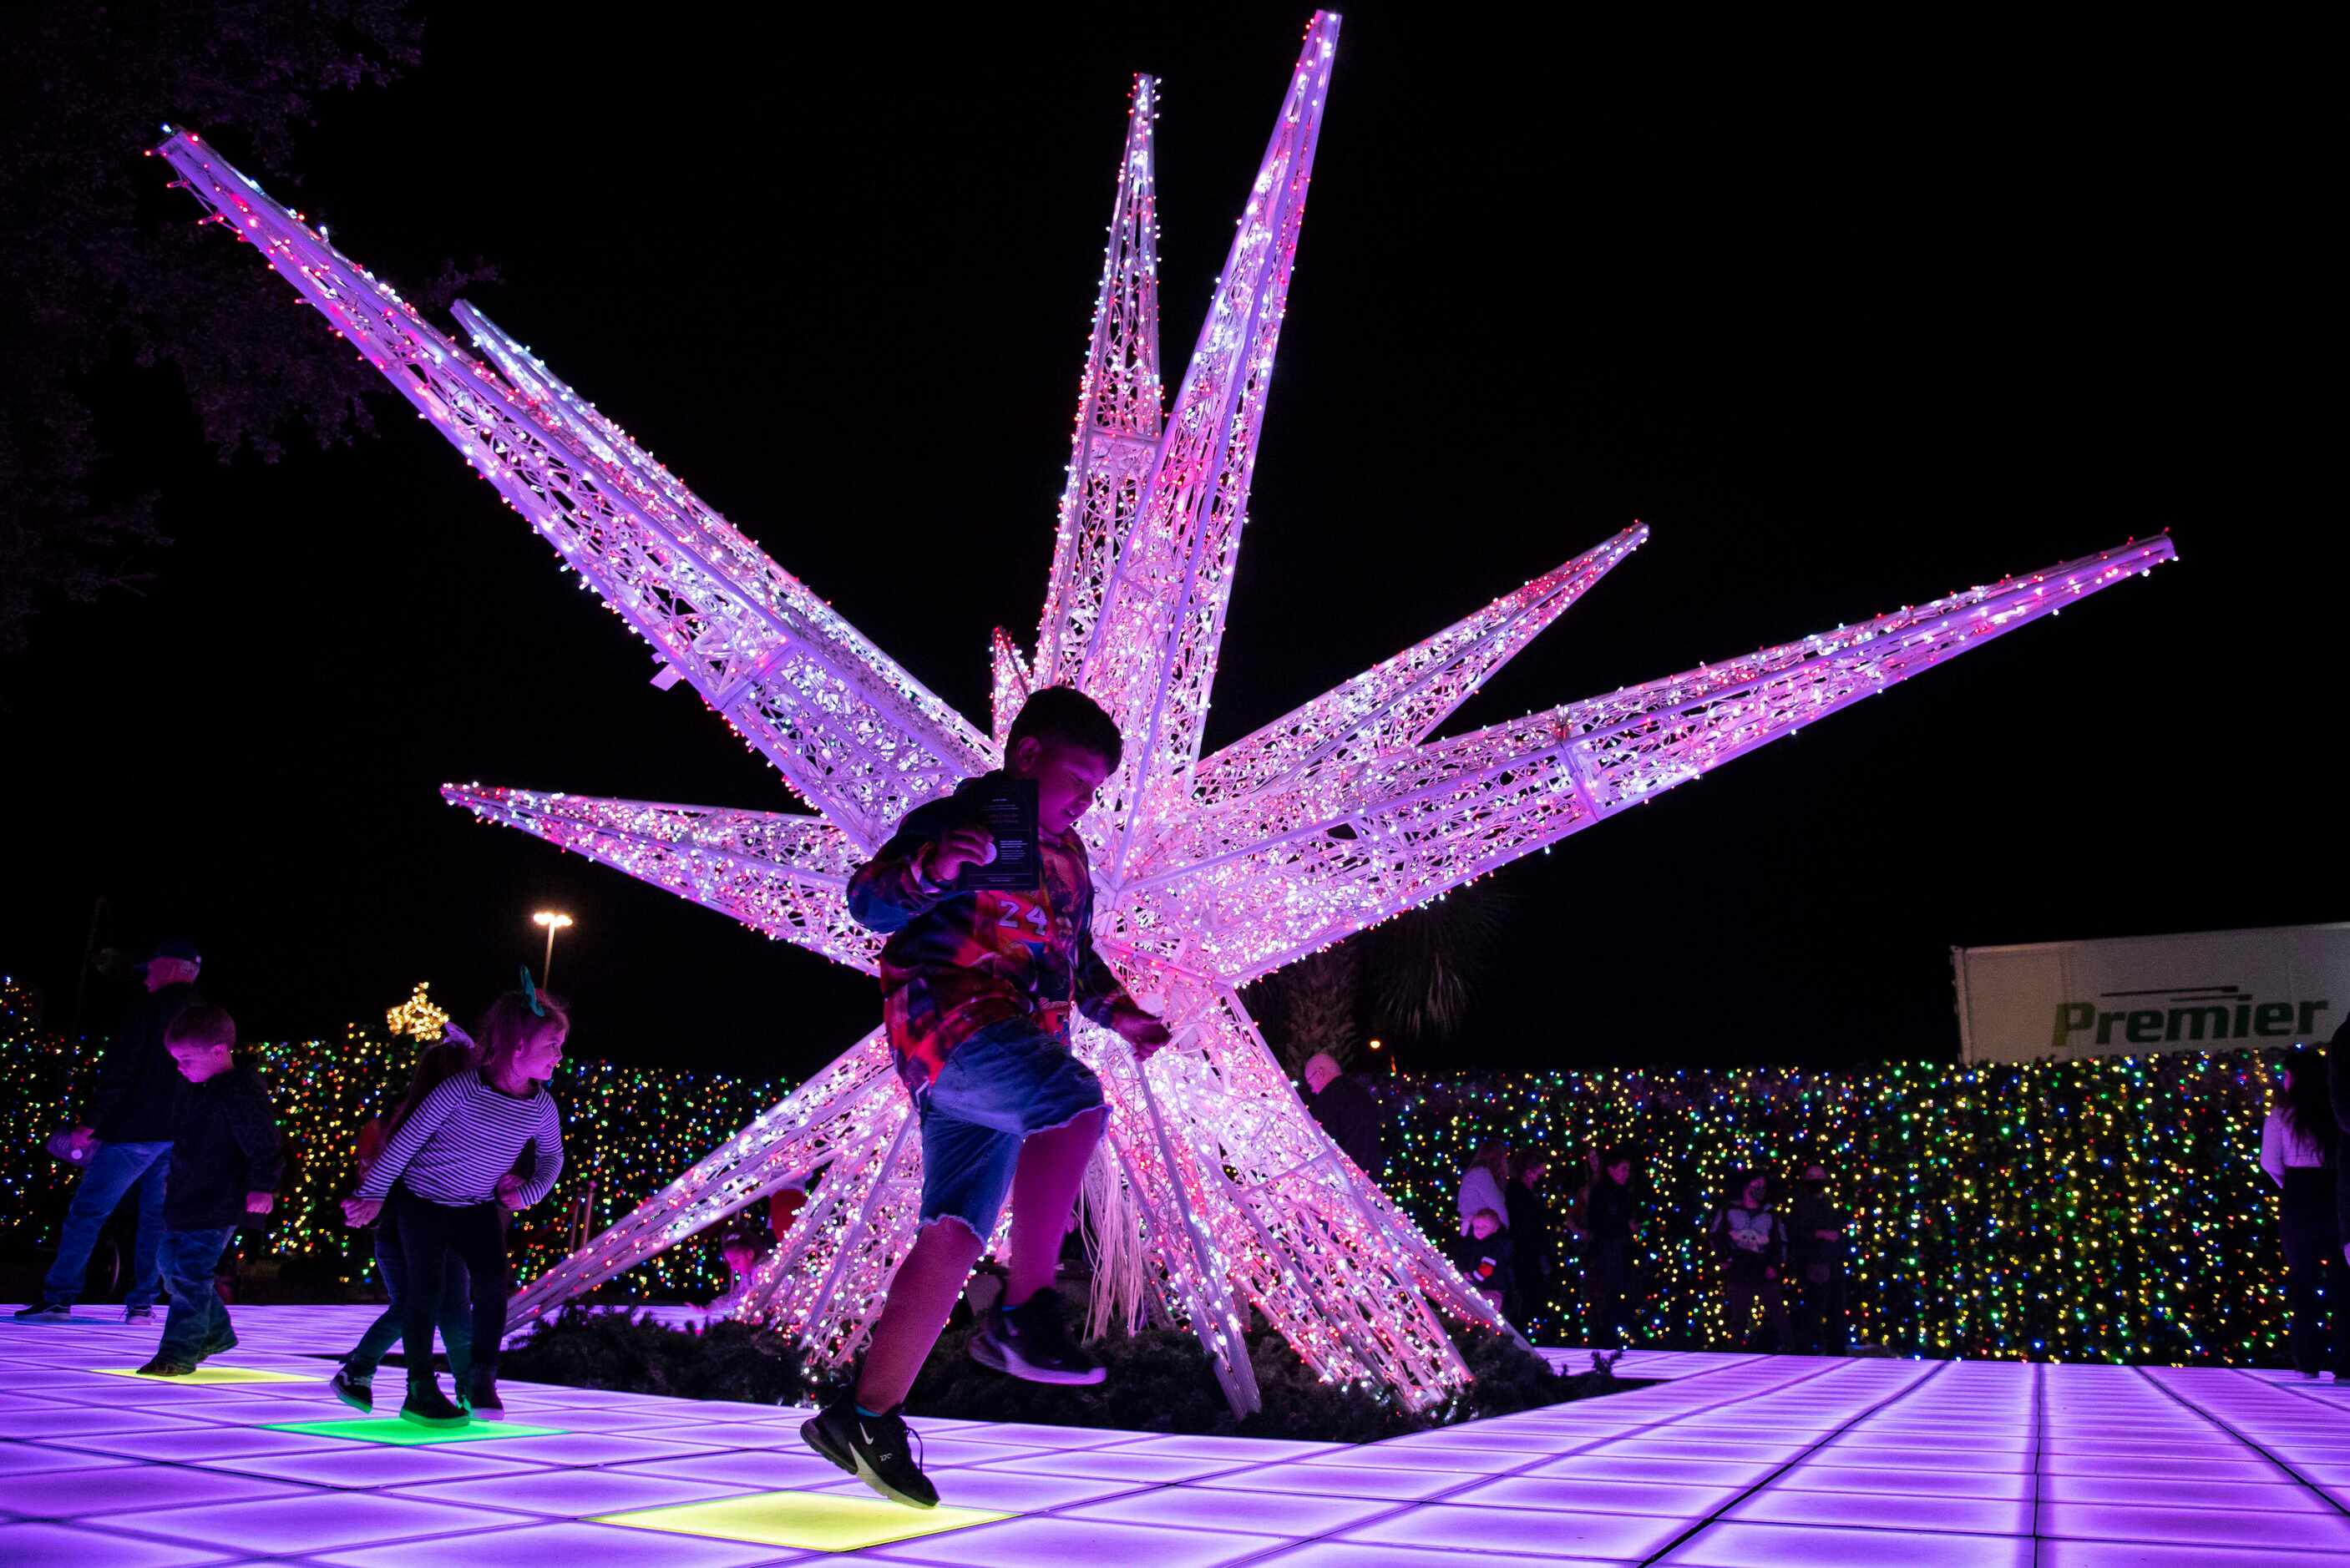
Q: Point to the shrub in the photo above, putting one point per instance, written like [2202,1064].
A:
[1158,1380]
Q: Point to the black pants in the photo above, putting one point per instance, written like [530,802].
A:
[1607,1278]
[1742,1291]
[1818,1312]
[429,1236]
[2314,1282]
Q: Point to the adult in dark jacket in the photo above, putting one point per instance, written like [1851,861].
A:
[1533,1237]
[1607,1253]
[1816,1259]
[2339,1090]
[129,1137]
[1347,1112]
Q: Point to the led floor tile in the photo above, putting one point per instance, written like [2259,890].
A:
[809,1520]
[570,1493]
[1656,1497]
[317,1522]
[1603,1535]
[1336,1480]
[19,1458]
[64,1546]
[366,1465]
[206,1377]
[1978,1515]
[74,1493]
[2183,1526]
[408,1434]
[1250,1513]
[1061,1542]
[2140,1554]
[1339,1554]
[752,1470]
[567,1546]
[1816,1546]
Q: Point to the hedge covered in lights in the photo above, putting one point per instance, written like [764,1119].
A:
[627,1129]
[2105,1210]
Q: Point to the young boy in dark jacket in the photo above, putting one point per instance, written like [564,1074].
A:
[225,1161]
[977,987]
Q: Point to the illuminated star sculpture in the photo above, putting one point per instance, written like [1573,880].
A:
[1215,1191]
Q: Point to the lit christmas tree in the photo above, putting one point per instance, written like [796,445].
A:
[1214,1191]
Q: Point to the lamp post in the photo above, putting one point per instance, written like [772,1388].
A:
[554,923]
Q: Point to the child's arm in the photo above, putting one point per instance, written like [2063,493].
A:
[550,1157]
[1101,994]
[254,1127]
[399,1148]
[896,886]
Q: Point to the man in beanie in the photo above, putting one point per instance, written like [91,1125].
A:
[126,1144]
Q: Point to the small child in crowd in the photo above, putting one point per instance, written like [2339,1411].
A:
[1483,1256]
[226,1157]
[453,1159]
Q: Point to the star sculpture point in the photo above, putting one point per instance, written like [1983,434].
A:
[1215,1192]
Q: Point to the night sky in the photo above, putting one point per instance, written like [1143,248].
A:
[1846,339]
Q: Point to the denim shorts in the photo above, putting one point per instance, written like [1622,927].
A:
[999,1084]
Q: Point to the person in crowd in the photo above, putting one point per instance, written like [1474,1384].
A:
[1345,1110]
[739,1249]
[1817,1250]
[1608,1252]
[1482,1257]
[2298,1140]
[226,1157]
[1532,1247]
[1752,1243]
[1485,1184]
[354,1381]
[126,1145]
[979,983]
[452,1158]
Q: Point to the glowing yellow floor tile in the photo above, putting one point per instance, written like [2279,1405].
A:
[209,1374]
[813,1522]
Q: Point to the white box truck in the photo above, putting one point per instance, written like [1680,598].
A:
[2210,990]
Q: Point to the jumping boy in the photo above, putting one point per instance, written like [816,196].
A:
[225,1160]
[977,987]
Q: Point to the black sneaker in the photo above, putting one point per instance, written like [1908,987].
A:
[1031,1341]
[873,1449]
[138,1315]
[482,1397]
[426,1405]
[359,1393]
[164,1366]
[46,1311]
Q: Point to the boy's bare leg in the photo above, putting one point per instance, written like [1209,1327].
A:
[1043,1190]
[922,1294]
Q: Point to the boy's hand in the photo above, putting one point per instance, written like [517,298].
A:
[358,1211]
[1145,1034]
[961,847]
[260,1202]
[510,1190]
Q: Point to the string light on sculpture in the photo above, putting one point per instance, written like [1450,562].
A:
[1215,1192]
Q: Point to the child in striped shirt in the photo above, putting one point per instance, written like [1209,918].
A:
[452,1159]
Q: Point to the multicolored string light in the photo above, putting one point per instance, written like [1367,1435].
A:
[2110,1208]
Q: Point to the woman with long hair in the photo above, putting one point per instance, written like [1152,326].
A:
[2297,1150]
[453,1159]
[354,1380]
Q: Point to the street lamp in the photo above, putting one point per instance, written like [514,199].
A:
[554,923]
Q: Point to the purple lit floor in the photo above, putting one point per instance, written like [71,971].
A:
[1735,1461]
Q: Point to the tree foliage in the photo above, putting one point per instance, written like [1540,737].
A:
[109,269]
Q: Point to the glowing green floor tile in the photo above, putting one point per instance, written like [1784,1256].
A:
[813,1522]
[209,1374]
[407,1433]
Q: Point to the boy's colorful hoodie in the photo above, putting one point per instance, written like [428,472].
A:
[956,962]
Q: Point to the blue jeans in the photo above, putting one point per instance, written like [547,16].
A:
[198,1323]
[114,1170]
[998,1085]
[456,1314]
